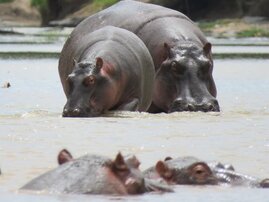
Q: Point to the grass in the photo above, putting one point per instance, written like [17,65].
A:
[206,26]
[253,32]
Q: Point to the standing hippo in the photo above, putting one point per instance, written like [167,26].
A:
[111,70]
[193,171]
[180,51]
[94,174]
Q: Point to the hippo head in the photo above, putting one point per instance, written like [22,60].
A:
[86,90]
[194,174]
[184,81]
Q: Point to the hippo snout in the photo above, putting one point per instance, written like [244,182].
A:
[180,105]
[75,112]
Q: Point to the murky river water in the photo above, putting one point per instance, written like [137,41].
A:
[32,131]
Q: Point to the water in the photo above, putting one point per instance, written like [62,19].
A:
[32,131]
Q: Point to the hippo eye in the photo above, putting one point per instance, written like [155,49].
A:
[200,172]
[88,81]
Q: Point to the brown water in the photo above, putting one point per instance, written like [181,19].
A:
[32,131]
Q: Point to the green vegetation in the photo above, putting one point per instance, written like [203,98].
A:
[207,26]
[253,32]
[101,4]
[5,1]
[41,4]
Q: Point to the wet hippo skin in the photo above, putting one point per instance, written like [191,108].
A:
[108,69]
[180,51]
[193,171]
[95,174]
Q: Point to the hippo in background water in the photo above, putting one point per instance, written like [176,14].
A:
[193,171]
[95,174]
[181,54]
[112,70]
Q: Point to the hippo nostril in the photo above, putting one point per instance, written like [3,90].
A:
[72,112]
[190,107]
[65,112]
[76,111]
[210,107]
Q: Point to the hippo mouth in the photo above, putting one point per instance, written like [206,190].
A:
[180,106]
[80,113]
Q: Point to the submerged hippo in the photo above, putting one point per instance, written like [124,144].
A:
[192,171]
[112,70]
[94,174]
[180,51]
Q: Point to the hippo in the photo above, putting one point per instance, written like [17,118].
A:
[95,174]
[181,53]
[192,171]
[107,73]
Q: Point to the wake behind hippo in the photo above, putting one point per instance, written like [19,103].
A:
[108,69]
[95,174]
[181,54]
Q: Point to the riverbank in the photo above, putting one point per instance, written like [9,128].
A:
[238,28]
[20,13]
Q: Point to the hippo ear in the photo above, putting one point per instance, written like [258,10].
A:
[119,163]
[167,51]
[168,158]
[99,62]
[163,170]
[207,48]
[64,156]
[132,161]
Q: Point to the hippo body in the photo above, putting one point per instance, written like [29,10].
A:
[107,73]
[180,51]
[95,174]
[193,171]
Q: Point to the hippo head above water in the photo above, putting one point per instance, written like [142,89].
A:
[95,174]
[184,80]
[184,171]
[83,100]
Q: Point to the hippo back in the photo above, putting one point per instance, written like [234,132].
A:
[130,15]
[78,177]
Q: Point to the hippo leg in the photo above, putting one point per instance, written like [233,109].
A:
[130,106]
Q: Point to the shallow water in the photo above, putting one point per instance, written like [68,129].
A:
[32,131]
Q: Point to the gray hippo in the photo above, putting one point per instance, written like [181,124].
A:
[181,54]
[95,174]
[193,171]
[111,70]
